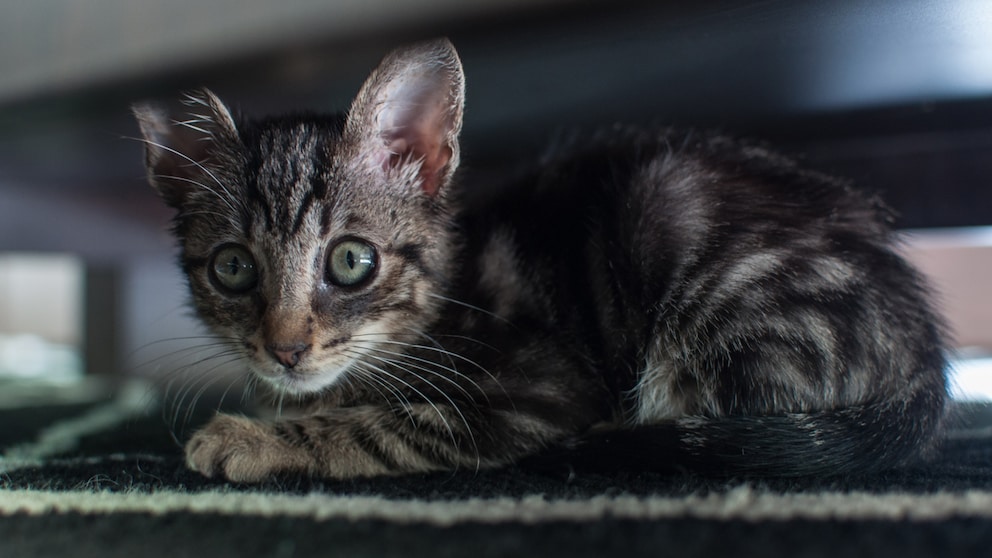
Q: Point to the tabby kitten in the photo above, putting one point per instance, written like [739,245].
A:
[647,299]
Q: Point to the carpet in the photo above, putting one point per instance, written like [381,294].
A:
[106,478]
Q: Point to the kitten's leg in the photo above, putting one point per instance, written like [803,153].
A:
[242,450]
[367,441]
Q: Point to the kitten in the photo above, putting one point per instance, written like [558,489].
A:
[647,299]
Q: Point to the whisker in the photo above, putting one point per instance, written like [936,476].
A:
[204,212]
[434,372]
[282,396]
[193,99]
[432,340]
[192,377]
[403,365]
[459,337]
[185,338]
[234,380]
[367,377]
[249,389]
[216,378]
[201,185]
[198,165]
[440,347]
[420,394]
[191,407]
[184,352]
[228,353]
[177,403]
[471,307]
[192,125]
[454,405]
[442,351]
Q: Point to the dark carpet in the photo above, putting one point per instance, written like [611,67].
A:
[105,479]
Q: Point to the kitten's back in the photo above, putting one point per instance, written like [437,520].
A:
[751,316]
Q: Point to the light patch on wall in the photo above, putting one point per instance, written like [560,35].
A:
[971,379]
[877,53]
[41,305]
[958,263]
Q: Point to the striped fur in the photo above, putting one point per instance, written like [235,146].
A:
[647,299]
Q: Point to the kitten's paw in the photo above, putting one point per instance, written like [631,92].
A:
[240,450]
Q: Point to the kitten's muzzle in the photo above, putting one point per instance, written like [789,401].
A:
[288,355]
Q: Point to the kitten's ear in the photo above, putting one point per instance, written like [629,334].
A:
[409,112]
[177,152]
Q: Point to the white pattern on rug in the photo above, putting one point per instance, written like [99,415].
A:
[742,503]
[134,400]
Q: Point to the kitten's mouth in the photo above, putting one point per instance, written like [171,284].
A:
[302,380]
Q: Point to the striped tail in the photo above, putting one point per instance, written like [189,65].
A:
[856,440]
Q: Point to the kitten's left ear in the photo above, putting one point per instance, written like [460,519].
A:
[409,112]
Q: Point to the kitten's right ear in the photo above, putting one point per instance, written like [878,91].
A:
[178,153]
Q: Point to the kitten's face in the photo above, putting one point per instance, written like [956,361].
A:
[306,283]
[314,244]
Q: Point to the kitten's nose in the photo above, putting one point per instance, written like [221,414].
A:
[288,355]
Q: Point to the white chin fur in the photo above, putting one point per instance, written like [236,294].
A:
[296,382]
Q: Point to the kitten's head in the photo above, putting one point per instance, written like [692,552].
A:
[314,242]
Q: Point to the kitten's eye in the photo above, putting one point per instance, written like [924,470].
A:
[233,267]
[350,262]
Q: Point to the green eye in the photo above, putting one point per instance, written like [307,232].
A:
[350,262]
[233,267]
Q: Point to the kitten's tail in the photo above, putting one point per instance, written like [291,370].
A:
[856,440]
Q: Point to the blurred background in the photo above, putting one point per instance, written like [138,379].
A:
[896,95]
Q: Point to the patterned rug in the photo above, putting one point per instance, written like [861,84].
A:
[106,479]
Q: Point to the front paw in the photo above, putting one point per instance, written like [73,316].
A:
[240,450]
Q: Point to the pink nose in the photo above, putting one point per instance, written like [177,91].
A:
[288,355]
